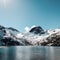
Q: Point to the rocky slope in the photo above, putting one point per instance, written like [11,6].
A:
[35,36]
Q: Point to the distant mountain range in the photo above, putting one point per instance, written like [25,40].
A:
[36,36]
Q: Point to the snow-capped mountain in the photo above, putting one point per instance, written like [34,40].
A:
[35,36]
[8,36]
[37,30]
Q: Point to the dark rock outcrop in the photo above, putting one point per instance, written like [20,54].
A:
[10,42]
[37,30]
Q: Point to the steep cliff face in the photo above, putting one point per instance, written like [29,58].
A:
[35,36]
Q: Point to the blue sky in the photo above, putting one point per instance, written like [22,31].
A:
[22,13]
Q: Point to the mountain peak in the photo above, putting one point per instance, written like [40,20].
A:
[13,29]
[37,30]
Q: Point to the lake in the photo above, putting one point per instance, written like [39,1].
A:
[29,53]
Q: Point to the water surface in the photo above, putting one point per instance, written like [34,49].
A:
[29,53]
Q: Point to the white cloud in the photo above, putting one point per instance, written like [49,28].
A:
[27,29]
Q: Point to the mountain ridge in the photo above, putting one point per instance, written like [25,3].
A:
[36,36]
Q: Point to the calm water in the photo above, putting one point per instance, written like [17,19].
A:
[29,53]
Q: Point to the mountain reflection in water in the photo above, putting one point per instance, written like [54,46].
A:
[29,53]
